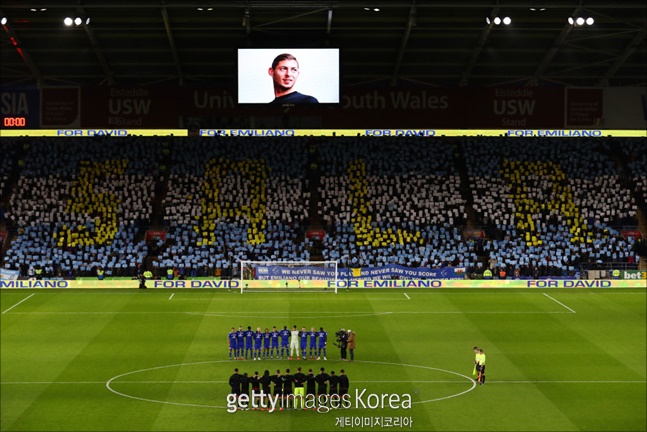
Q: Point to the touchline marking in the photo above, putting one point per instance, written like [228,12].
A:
[558,302]
[26,298]
[171,296]
[405,294]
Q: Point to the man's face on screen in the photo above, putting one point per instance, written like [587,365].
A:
[285,74]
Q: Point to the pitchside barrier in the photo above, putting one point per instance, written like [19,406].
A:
[279,285]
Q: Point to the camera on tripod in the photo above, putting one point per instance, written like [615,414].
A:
[340,338]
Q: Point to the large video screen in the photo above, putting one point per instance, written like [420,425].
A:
[286,76]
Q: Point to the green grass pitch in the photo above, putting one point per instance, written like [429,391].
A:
[131,360]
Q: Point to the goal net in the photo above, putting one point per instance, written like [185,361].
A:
[288,276]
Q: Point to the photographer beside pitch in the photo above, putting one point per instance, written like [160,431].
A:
[342,338]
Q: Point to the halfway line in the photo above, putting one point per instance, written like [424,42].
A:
[558,302]
[26,298]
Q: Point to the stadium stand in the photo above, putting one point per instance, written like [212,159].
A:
[80,203]
[234,199]
[549,205]
[392,200]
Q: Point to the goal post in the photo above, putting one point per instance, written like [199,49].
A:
[288,276]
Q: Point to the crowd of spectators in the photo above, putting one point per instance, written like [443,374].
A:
[549,204]
[80,203]
[392,200]
[232,199]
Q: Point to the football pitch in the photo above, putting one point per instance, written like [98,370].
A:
[148,360]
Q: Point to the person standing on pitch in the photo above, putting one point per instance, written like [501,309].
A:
[267,338]
[311,382]
[288,382]
[249,342]
[344,384]
[350,344]
[303,335]
[313,343]
[285,341]
[266,382]
[294,342]
[240,342]
[322,336]
[476,360]
[258,344]
[275,342]
[278,387]
[299,390]
[234,382]
[481,368]
[233,348]
[255,381]
[334,384]
[322,382]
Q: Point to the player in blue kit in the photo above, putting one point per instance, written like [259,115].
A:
[240,343]
[258,343]
[249,341]
[303,335]
[285,341]
[267,339]
[323,337]
[233,347]
[313,342]
[275,342]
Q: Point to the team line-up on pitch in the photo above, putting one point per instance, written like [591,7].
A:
[265,345]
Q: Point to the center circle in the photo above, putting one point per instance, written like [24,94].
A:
[116,380]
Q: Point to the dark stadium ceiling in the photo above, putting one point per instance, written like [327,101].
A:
[422,42]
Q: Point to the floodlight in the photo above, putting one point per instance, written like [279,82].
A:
[376,9]
[571,21]
[579,21]
[590,21]
[68,21]
[487,20]
[497,20]
[3,21]
[507,20]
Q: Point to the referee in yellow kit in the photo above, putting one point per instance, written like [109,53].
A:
[480,367]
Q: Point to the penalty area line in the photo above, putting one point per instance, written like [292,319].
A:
[26,298]
[171,296]
[560,303]
[408,298]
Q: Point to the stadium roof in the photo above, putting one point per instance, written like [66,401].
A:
[421,42]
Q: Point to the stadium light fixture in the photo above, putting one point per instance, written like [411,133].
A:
[3,20]
[68,21]
[498,20]
[580,21]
